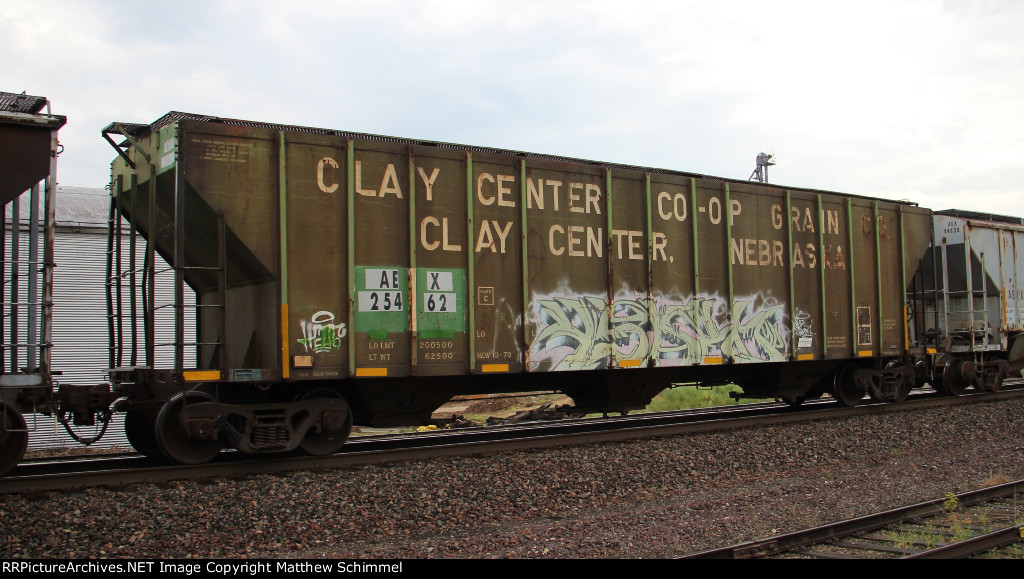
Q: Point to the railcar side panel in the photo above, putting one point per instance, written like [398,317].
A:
[381,299]
[495,249]
[383,258]
[832,303]
[231,172]
[440,245]
[317,282]
[758,297]
[630,281]
[1012,256]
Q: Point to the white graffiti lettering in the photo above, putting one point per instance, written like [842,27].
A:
[320,334]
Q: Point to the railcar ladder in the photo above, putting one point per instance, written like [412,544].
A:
[26,305]
[140,281]
[969,297]
[919,298]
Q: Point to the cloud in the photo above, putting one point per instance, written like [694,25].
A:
[913,99]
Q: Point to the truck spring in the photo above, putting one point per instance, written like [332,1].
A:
[270,436]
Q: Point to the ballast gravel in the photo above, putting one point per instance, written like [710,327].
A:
[650,498]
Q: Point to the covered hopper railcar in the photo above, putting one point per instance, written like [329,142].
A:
[28,167]
[353,278]
[338,278]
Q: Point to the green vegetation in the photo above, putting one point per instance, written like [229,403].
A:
[686,397]
[905,540]
[951,503]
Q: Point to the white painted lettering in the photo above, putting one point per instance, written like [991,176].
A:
[734,209]
[359,182]
[505,193]
[535,194]
[551,240]
[389,184]
[715,210]
[555,186]
[428,245]
[428,182]
[480,188]
[660,242]
[574,238]
[593,198]
[485,239]
[326,161]
[776,216]
[574,199]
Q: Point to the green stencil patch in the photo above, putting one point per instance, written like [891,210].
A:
[381,301]
[440,302]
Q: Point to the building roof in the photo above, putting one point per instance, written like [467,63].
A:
[82,206]
[77,207]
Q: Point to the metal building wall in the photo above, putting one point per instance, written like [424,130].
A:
[80,346]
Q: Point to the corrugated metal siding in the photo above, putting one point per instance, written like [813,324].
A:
[80,346]
[46,433]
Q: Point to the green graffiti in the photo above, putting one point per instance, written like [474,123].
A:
[320,334]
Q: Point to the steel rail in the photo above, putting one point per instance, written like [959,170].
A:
[790,542]
[377,450]
[974,546]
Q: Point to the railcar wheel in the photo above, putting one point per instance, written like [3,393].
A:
[173,431]
[336,425]
[845,388]
[952,378]
[140,429]
[13,438]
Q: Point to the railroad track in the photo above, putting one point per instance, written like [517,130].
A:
[987,522]
[85,471]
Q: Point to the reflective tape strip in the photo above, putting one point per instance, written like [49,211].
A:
[200,375]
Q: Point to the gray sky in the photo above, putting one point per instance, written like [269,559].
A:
[919,100]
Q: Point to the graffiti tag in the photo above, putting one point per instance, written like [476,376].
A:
[581,333]
[320,334]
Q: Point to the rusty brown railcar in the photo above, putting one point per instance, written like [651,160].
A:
[28,167]
[345,278]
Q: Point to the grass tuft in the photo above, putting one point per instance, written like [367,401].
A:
[690,397]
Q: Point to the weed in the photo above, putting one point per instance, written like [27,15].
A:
[995,480]
[900,540]
[951,503]
[906,540]
[961,533]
